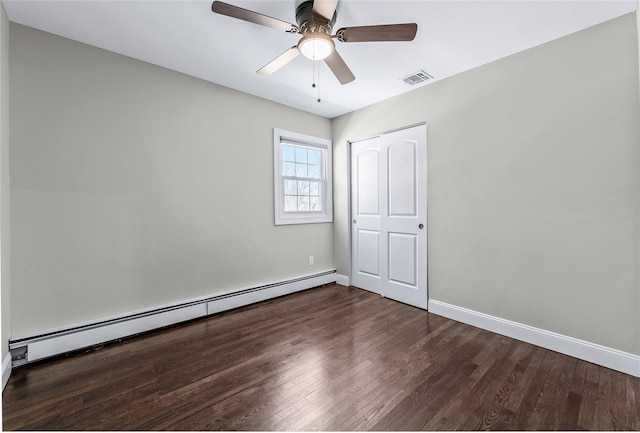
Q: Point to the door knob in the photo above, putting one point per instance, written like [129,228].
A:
[420,226]
[355,222]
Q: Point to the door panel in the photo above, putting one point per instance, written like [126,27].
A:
[368,163]
[402,254]
[389,215]
[402,178]
[369,248]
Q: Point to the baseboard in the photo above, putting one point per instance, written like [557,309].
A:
[595,353]
[59,341]
[6,370]
[343,280]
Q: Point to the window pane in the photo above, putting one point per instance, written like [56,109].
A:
[289,169]
[288,153]
[301,170]
[313,157]
[290,187]
[301,155]
[290,203]
[313,172]
[314,188]
[303,188]
[303,203]
[314,203]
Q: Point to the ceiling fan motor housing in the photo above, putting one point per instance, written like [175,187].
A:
[313,23]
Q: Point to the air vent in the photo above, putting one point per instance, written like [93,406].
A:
[417,78]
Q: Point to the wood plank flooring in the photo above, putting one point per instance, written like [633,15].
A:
[330,358]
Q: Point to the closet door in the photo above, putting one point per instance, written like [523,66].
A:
[366,205]
[404,216]
[389,215]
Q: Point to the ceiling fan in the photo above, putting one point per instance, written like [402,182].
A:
[315,20]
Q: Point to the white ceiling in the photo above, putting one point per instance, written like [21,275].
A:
[185,36]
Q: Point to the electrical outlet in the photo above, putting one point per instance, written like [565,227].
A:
[310,260]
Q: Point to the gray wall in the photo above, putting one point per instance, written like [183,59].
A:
[5,279]
[533,184]
[134,186]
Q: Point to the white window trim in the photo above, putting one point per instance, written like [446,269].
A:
[282,217]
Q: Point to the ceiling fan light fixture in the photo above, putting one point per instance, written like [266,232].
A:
[316,46]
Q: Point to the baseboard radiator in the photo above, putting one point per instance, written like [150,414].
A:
[48,344]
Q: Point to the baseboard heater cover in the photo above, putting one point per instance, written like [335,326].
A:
[45,345]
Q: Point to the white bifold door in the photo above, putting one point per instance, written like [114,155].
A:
[389,215]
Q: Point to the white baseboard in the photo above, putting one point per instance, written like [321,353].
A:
[59,341]
[595,353]
[6,370]
[343,280]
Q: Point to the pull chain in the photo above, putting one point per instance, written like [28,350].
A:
[316,74]
[319,100]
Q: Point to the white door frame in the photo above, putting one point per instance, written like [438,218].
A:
[350,210]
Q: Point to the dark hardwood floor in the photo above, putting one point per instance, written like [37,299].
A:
[330,358]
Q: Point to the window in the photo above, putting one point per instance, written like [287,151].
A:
[302,178]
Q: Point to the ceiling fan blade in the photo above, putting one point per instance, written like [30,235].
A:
[339,68]
[253,17]
[381,33]
[279,61]
[325,8]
